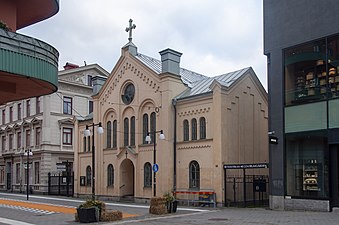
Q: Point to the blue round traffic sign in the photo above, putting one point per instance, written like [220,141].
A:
[155,168]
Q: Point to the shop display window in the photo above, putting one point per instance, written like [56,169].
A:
[307,165]
[312,71]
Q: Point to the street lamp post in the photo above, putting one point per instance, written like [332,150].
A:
[148,139]
[28,153]
[87,133]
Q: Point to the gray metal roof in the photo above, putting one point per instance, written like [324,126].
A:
[187,76]
[203,86]
[197,83]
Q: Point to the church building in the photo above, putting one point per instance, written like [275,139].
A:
[158,128]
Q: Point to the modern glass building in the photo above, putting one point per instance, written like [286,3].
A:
[301,42]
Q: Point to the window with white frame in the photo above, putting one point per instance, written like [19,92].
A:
[37,136]
[67,105]
[67,136]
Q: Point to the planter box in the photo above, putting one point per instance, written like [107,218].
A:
[88,215]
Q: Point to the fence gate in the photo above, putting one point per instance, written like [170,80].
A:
[246,190]
[60,184]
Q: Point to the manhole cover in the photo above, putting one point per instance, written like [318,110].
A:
[218,219]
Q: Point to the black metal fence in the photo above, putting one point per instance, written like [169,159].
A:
[247,191]
[59,184]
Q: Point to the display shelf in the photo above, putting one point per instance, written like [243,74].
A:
[310,176]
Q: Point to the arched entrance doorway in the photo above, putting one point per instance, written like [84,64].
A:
[126,178]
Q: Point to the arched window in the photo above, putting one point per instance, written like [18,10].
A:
[194,129]
[88,176]
[147,175]
[126,132]
[89,143]
[202,128]
[153,126]
[186,130]
[144,127]
[109,135]
[132,131]
[115,130]
[110,175]
[84,144]
[194,175]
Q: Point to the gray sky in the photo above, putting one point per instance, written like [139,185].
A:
[215,36]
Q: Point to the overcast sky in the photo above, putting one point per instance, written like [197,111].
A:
[215,36]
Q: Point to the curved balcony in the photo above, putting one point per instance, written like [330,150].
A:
[33,11]
[28,67]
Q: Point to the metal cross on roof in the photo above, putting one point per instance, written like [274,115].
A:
[129,29]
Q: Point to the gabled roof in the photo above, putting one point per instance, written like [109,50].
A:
[203,86]
[188,77]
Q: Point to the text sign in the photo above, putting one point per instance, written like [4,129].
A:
[155,168]
[246,166]
[273,140]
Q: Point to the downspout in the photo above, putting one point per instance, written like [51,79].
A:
[174,103]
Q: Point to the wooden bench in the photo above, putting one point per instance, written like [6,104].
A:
[202,198]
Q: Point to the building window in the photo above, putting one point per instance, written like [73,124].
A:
[110,175]
[84,138]
[109,135]
[311,71]
[115,131]
[17,173]
[36,173]
[132,131]
[202,127]
[68,105]
[147,175]
[186,130]
[28,108]
[126,131]
[88,176]
[153,126]
[28,138]
[307,165]
[37,136]
[89,143]
[11,137]
[67,136]
[19,111]
[144,128]
[11,114]
[194,175]
[90,107]
[90,81]
[3,143]
[38,105]
[194,129]
[18,143]
[3,116]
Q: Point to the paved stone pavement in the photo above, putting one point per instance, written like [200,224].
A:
[240,216]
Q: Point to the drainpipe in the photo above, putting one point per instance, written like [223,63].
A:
[174,103]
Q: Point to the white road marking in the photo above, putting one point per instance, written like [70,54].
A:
[13,222]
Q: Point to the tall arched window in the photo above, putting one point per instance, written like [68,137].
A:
[115,130]
[147,175]
[126,131]
[194,129]
[84,144]
[109,135]
[144,127]
[89,143]
[202,128]
[132,131]
[186,130]
[194,175]
[88,176]
[110,175]
[153,126]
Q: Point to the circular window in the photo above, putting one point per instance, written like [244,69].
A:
[128,95]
